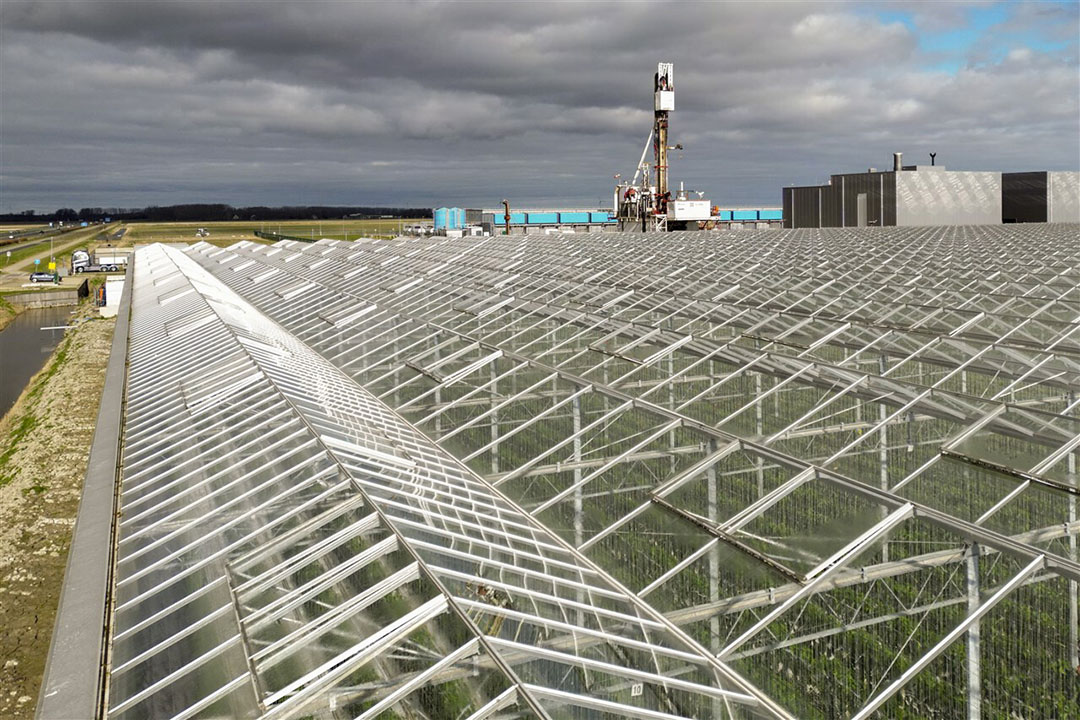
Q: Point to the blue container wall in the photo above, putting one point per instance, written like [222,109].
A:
[452,218]
[600,217]
[543,218]
[459,217]
[771,215]
[744,215]
[725,214]
[439,218]
[516,218]
[573,217]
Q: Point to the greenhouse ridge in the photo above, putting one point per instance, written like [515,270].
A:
[782,473]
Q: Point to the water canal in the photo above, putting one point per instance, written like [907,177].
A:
[24,348]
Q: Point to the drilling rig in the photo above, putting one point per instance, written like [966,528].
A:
[651,206]
[663,103]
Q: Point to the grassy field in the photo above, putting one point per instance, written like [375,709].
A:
[6,228]
[229,232]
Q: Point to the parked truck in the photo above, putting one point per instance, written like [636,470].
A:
[101,261]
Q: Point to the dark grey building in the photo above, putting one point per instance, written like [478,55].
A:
[1040,197]
[850,200]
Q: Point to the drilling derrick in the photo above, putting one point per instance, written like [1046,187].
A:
[651,205]
[664,94]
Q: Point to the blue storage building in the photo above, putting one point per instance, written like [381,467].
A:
[448,218]
[523,221]
[753,217]
[438,216]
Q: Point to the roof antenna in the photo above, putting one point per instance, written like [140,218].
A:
[932,156]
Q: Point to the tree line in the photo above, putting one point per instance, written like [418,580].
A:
[209,212]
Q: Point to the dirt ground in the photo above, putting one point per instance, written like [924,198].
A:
[44,444]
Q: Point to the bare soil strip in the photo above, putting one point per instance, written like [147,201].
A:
[44,444]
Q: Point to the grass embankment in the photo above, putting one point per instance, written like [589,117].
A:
[44,443]
[7,312]
[8,228]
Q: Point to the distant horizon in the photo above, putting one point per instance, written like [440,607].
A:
[471,206]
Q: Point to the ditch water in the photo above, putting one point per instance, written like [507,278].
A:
[24,348]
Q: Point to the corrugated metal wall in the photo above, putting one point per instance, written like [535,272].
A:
[804,207]
[839,200]
[1064,192]
[872,185]
[888,205]
[830,205]
[940,197]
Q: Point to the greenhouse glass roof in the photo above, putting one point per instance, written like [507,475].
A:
[759,474]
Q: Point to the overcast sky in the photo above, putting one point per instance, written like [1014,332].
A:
[464,103]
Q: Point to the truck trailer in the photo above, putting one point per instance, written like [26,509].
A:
[101,261]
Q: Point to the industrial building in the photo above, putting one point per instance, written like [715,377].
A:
[812,474]
[931,195]
[459,222]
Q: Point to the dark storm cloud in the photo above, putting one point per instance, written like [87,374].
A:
[136,103]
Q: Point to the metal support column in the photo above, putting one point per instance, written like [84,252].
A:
[883,450]
[714,567]
[1074,635]
[438,399]
[759,428]
[974,669]
[714,555]
[671,405]
[578,507]
[494,420]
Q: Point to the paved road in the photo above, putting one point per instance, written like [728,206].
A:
[39,240]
